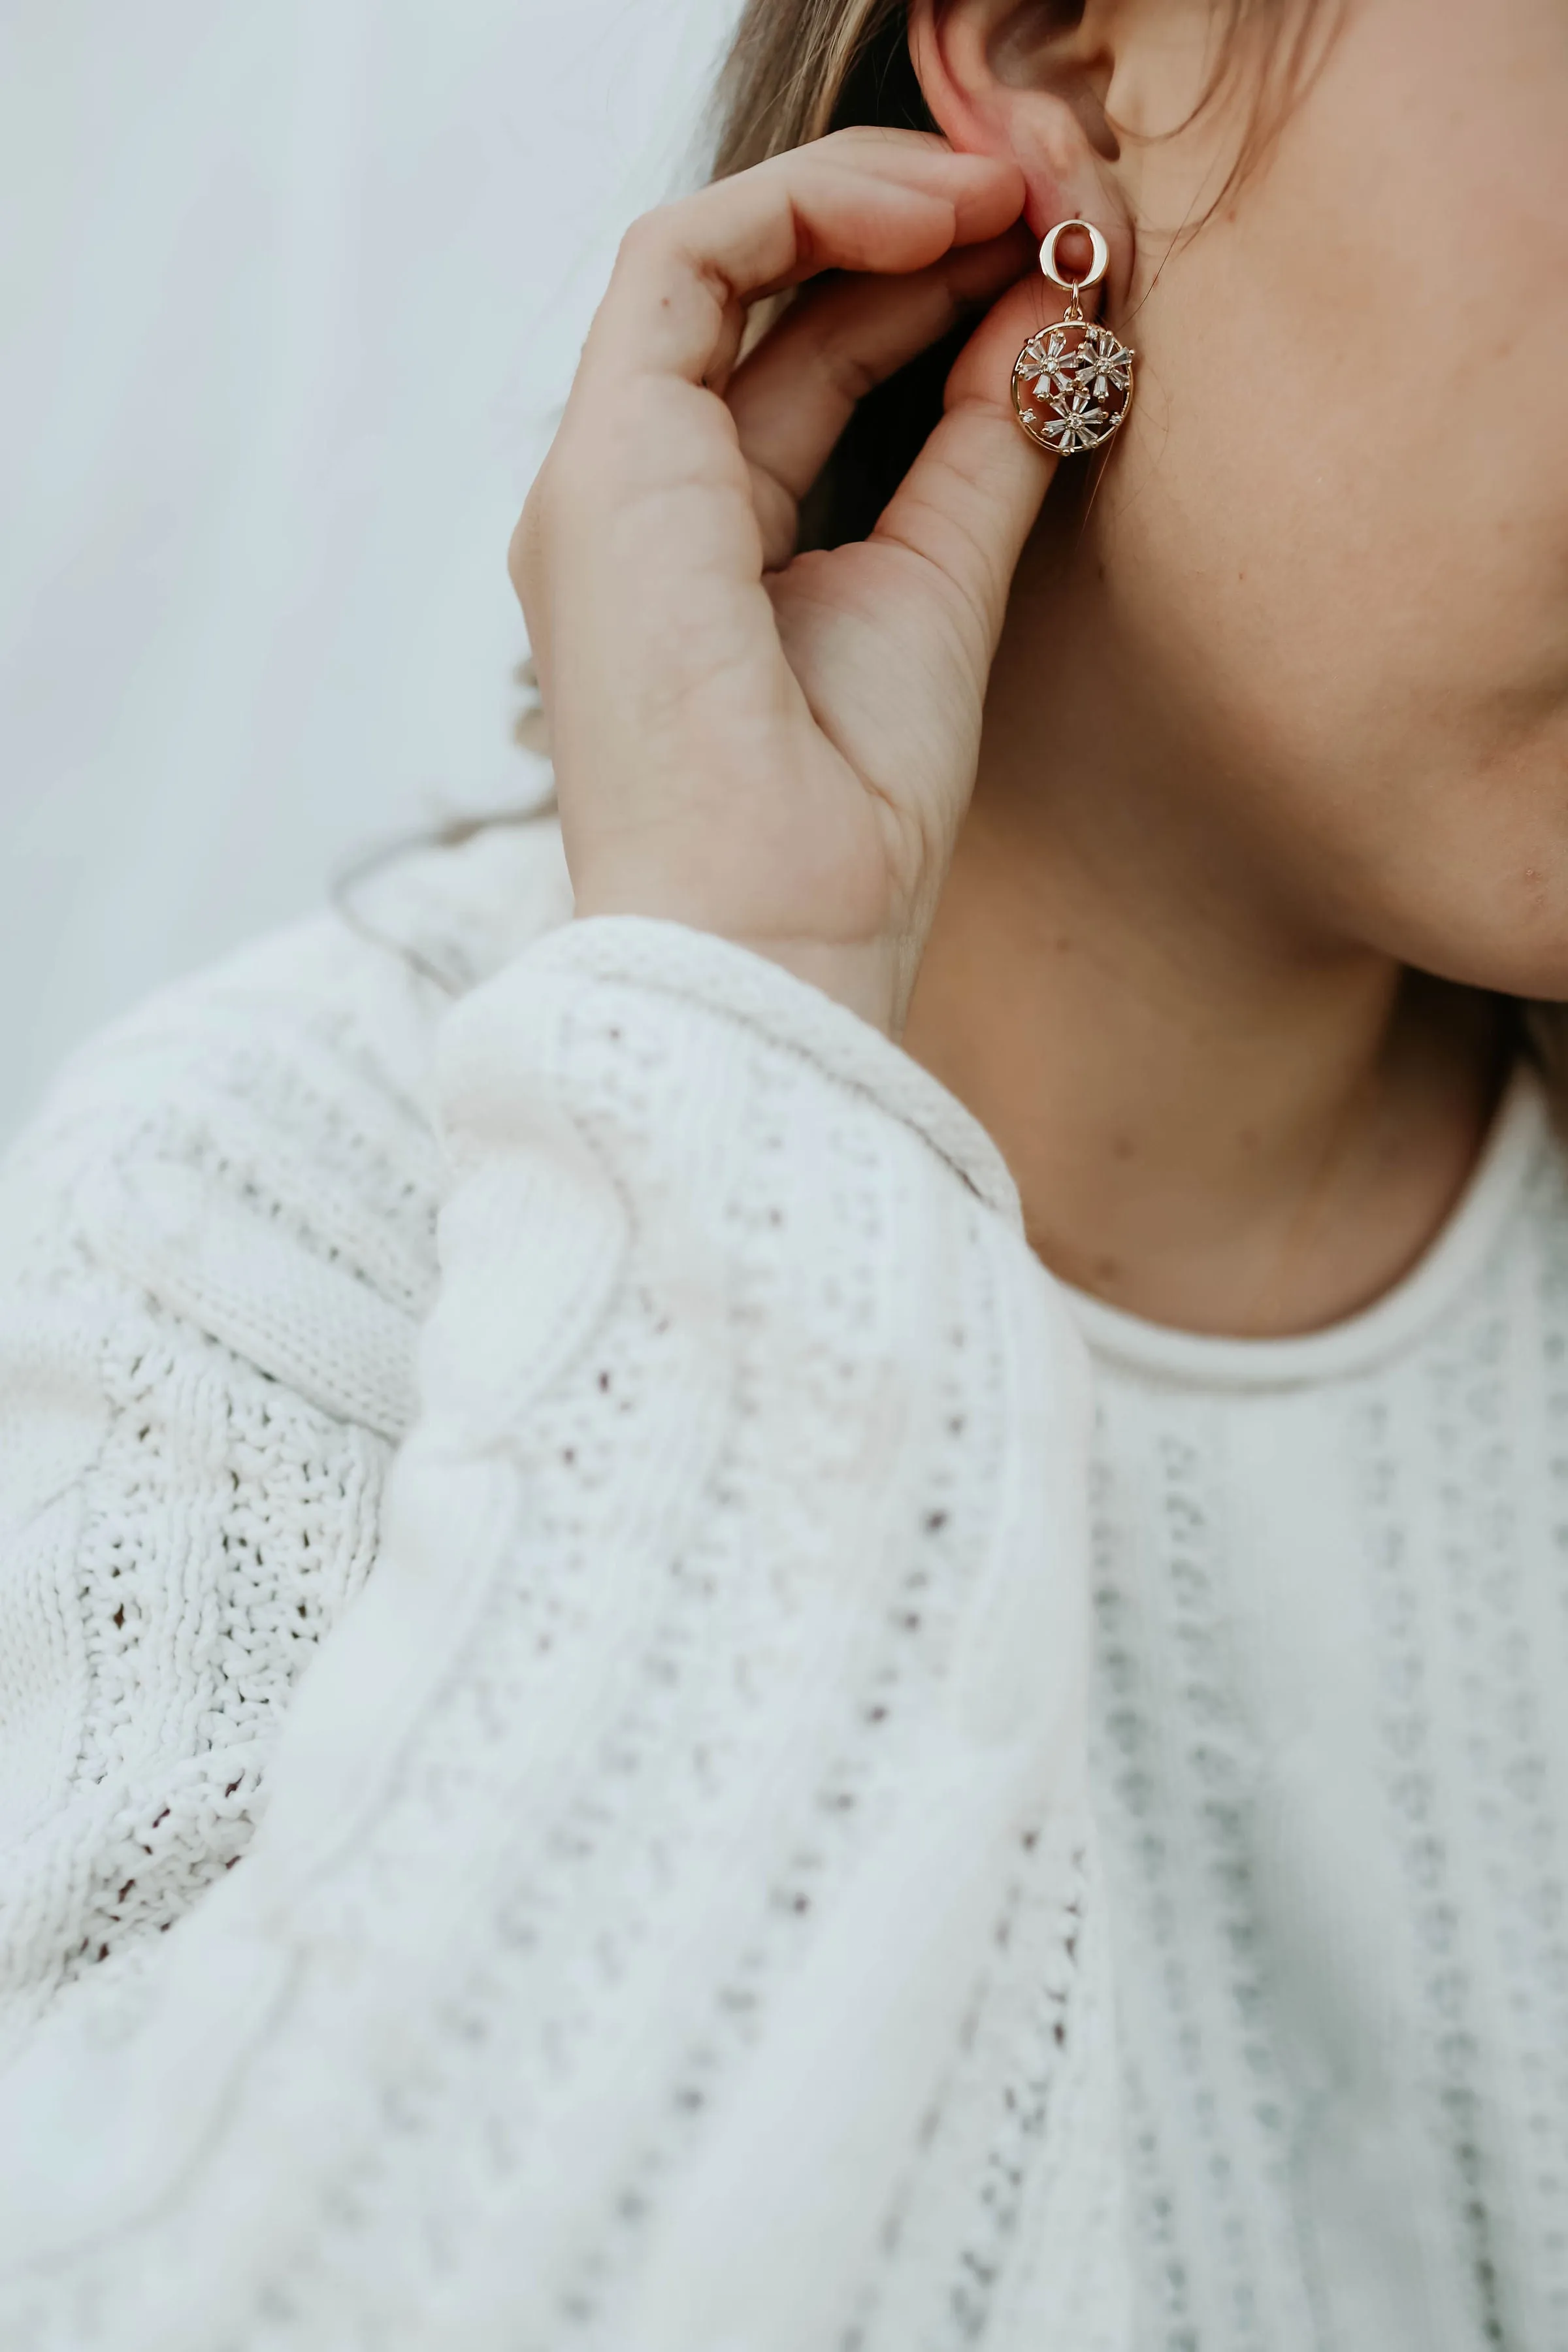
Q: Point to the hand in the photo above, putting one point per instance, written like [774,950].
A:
[778,747]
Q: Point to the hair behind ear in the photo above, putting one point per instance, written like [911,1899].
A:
[881,85]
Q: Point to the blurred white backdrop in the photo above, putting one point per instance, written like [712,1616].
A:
[288,296]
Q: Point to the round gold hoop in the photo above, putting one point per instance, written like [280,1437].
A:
[1099,263]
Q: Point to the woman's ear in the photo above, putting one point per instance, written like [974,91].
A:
[1029,78]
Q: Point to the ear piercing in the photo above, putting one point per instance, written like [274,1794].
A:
[1072,383]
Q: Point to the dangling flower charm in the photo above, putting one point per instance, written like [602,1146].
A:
[1076,424]
[1058,362]
[1104,366]
[1072,383]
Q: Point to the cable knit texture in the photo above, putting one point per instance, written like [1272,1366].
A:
[668,1917]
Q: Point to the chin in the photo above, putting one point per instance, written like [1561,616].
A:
[1522,951]
[1474,881]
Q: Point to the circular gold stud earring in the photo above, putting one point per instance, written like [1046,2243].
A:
[1072,383]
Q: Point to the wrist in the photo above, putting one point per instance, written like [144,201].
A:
[872,978]
[865,979]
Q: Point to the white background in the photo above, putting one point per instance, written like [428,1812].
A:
[288,291]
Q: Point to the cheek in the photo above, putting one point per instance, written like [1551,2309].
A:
[1337,535]
[1367,679]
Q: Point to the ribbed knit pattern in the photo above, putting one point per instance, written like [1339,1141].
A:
[669,1916]
[1332,1776]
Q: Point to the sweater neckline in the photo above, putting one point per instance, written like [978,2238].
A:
[1201,1359]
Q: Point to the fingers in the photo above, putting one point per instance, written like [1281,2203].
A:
[970,499]
[792,397]
[886,202]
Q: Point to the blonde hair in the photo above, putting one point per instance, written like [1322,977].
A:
[789,65]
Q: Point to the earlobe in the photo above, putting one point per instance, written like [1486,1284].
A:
[999,80]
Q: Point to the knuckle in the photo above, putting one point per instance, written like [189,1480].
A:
[525,549]
[517,555]
[837,360]
[517,565]
[651,232]
[879,138]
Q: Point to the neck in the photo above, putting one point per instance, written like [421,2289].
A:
[1215,1119]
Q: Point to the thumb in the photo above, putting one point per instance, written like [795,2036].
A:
[970,499]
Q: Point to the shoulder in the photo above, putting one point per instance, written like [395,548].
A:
[255,1146]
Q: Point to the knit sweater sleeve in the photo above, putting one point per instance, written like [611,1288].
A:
[673,1926]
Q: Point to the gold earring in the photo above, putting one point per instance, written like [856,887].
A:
[1072,383]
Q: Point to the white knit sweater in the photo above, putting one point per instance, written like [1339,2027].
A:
[669,1917]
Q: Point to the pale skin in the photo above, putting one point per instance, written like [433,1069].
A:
[1183,837]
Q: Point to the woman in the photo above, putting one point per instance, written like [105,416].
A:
[872,1794]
